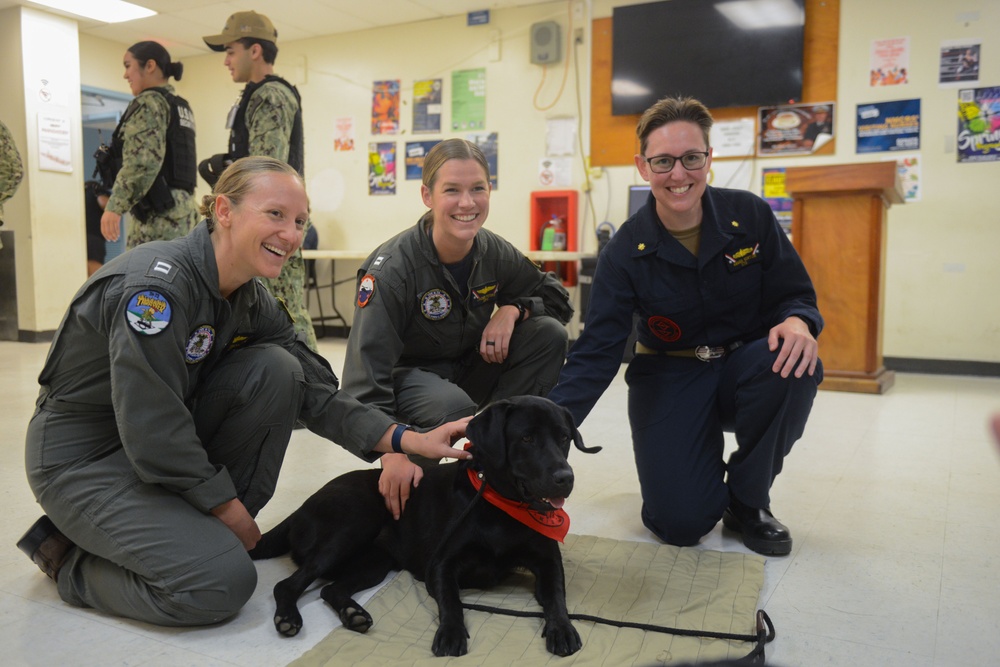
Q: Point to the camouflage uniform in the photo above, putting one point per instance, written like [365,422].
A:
[11,170]
[270,117]
[145,134]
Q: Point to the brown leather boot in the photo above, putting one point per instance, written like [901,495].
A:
[46,546]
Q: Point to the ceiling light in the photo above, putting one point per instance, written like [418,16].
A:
[107,11]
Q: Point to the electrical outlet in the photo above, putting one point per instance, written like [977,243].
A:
[578,36]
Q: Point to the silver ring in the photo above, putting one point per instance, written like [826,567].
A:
[491,342]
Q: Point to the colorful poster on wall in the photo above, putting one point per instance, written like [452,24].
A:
[890,61]
[909,177]
[488,144]
[774,193]
[794,129]
[343,134]
[979,125]
[468,99]
[959,63]
[385,107]
[427,106]
[416,151]
[382,168]
[888,126]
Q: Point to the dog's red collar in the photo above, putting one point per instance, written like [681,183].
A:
[554,524]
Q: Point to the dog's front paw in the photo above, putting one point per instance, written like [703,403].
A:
[354,617]
[288,624]
[562,638]
[450,640]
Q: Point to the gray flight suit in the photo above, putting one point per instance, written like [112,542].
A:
[413,349]
[161,400]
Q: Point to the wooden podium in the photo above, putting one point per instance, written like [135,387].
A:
[838,227]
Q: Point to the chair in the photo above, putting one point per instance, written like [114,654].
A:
[311,242]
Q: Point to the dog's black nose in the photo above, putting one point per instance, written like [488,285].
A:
[563,480]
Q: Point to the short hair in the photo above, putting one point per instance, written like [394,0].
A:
[146,51]
[669,110]
[238,180]
[452,149]
[268,49]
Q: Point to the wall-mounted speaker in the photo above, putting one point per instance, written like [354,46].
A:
[545,48]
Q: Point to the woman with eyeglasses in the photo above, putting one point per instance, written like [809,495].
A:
[726,326]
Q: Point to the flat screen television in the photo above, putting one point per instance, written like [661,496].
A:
[726,53]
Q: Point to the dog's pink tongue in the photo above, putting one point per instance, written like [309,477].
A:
[557,502]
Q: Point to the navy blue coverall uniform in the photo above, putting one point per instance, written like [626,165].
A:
[746,279]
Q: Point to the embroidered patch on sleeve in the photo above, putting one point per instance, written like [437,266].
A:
[148,312]
[366,290]
[199,344]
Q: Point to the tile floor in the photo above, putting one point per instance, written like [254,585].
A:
[893,500]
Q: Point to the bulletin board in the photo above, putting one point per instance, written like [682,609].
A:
[612,138]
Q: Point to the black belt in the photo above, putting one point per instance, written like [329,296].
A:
[701,353]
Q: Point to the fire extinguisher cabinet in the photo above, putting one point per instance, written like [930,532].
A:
[561,205]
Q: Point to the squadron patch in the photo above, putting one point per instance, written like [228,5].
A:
[435,304]
[199,344]
[148,312]
[664,328]
[484,294]
[366,290]
[743,257]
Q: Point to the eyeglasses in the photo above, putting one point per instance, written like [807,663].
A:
[661,164]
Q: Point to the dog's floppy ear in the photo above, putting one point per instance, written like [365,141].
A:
[577,438]
[486,433]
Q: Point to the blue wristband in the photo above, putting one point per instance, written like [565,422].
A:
[397,438]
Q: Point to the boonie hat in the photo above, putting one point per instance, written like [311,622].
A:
[241,25]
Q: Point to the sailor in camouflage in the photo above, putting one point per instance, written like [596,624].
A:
[154,142]
[266,120]
[11,169]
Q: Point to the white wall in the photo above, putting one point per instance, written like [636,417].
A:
[941,259]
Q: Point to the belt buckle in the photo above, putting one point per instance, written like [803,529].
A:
[707,353]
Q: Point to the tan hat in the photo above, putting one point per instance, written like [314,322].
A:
[241,25]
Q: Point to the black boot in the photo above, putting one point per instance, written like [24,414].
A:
[46,546]
[761,531]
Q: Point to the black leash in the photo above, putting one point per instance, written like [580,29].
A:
[765,628]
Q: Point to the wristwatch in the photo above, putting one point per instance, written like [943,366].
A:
[521,310]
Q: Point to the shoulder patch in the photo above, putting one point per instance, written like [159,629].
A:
[148,312]
[162,269]
[366,290]
[199,344]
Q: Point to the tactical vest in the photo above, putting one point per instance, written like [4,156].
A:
[239,135]
[180,168]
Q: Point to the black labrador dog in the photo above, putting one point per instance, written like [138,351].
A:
[450,535]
